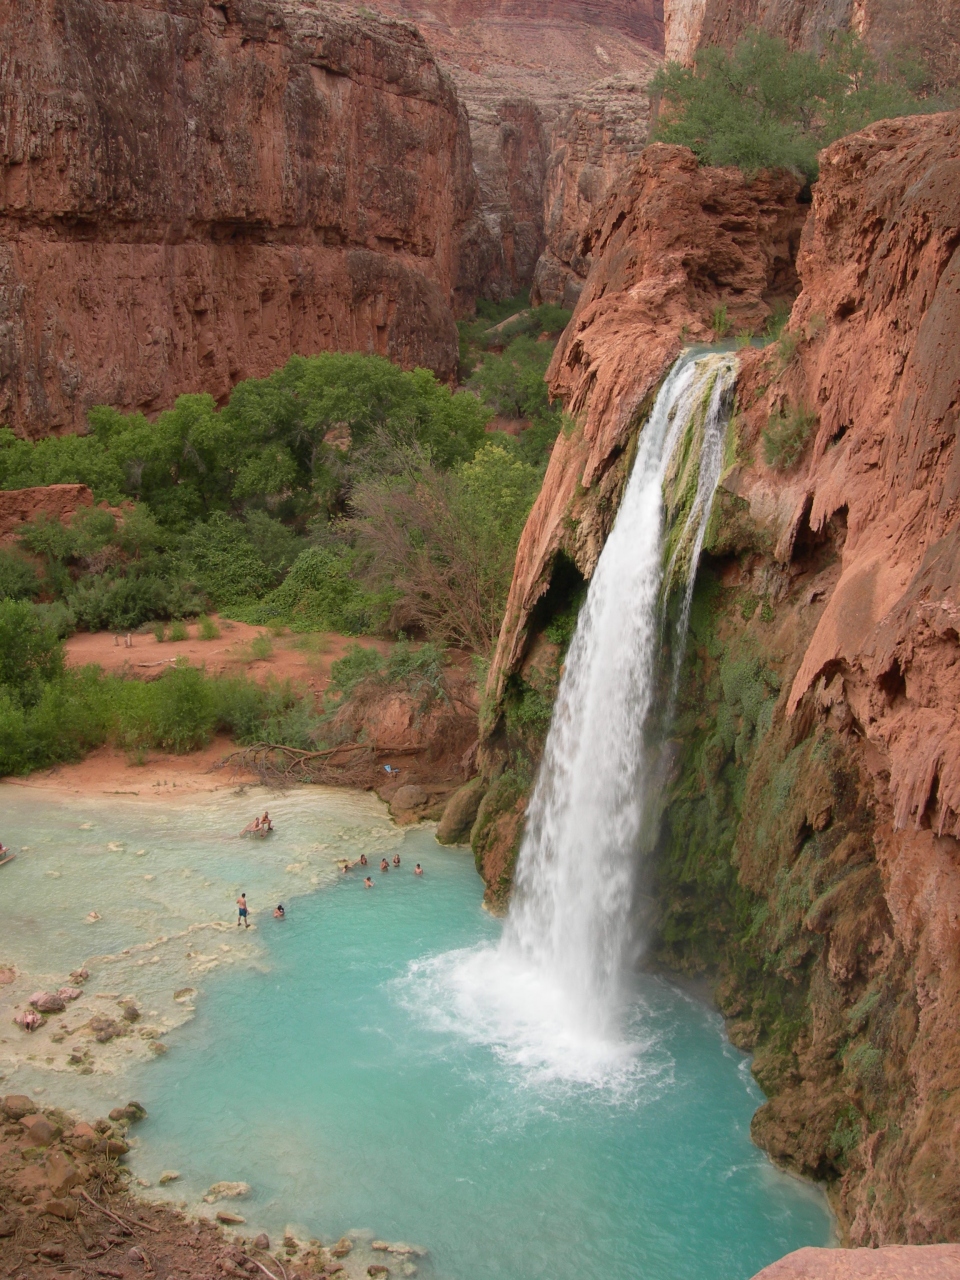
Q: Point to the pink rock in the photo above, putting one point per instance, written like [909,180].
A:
[47,1002]
[896,1262]
[70,993]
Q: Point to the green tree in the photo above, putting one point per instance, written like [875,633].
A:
[30,653]
[763,105]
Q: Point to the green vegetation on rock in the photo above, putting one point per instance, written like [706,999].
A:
[763,105]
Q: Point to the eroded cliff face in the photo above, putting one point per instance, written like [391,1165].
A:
[555,92]
[897,28]
[809,858]
[192,192]
[672,245]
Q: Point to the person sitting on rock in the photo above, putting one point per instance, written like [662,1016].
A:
[367,883]
[265,823]
[384,865]
[279,914]
[418,870]
[396,859]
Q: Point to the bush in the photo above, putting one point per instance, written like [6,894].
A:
[786,436]
[514,383]
[107,603]
[356,665]
[207,629]
[30,653]
[18,578]
[764,106]
[321,593]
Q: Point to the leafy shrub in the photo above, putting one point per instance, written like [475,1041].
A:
[207,629]
[720,322]
[30,653]
[18,578]
[513,383]
[356,665]
[107,603]
[321,593]
[785,437]
[178,631]
[763,105]
[261,648]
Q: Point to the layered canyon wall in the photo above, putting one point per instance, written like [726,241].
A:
[555,93]
[809,858]
[191,192]
[924,29]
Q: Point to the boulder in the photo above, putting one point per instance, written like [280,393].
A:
[48,1002]
[61,1208]
[132,1112]
[40,1131]
[113,1147]
[62,1173]
[893,1262]
[230,1219]
[70,993]
[262,1241]
[341,1248]
[7,975]
[378,1269]
[80,975]
[460,813]
[407,799]
[168,1175]
[17,1105]
[83,1137]
[130,1011]
[8,1225]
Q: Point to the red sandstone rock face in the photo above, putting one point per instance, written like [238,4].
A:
[877,360]
[555,94]
[671,244]
[192,192]
[930,28]
[55,501]
[923,1262]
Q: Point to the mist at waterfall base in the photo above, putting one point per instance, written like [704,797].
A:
[558,994]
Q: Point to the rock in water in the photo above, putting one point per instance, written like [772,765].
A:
[168,1175]
[341,1248]
[262,1241]
[230,1219]
[227,1191]
[17,1105]
[461,813]
[48,1002]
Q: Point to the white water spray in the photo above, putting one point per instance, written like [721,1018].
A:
[554,992]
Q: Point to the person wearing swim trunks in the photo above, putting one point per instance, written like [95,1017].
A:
[242,910]
[384,865]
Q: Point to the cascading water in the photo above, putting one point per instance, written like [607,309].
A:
[555,992]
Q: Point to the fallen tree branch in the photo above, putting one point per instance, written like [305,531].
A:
[128,1226]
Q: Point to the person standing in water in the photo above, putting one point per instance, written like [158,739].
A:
[384,865]
[418,870]
[396,859]
[279,914]
[367,882]
[242,912]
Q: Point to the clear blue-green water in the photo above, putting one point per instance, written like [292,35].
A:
[343,1065]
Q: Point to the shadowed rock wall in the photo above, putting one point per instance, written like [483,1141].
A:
[190,192]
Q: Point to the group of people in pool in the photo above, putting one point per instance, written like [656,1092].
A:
[384,866]
[243,911]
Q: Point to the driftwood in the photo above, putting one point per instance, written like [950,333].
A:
[346,764]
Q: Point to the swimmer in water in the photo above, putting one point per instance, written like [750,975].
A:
[363,859]
[418,870]
[367,883]
[242,912]
[279,914]
[396,859]
[384,865]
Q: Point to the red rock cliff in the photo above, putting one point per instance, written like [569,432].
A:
[671,245]
[930,28]
[555,94]
[192,192]
[872,353]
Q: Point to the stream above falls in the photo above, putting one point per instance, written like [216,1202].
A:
[337,1063]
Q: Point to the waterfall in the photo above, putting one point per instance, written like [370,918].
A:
[576,872]
[554,992]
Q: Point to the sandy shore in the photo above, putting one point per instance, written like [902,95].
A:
[109,772]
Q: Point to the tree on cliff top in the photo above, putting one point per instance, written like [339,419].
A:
[765,106]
